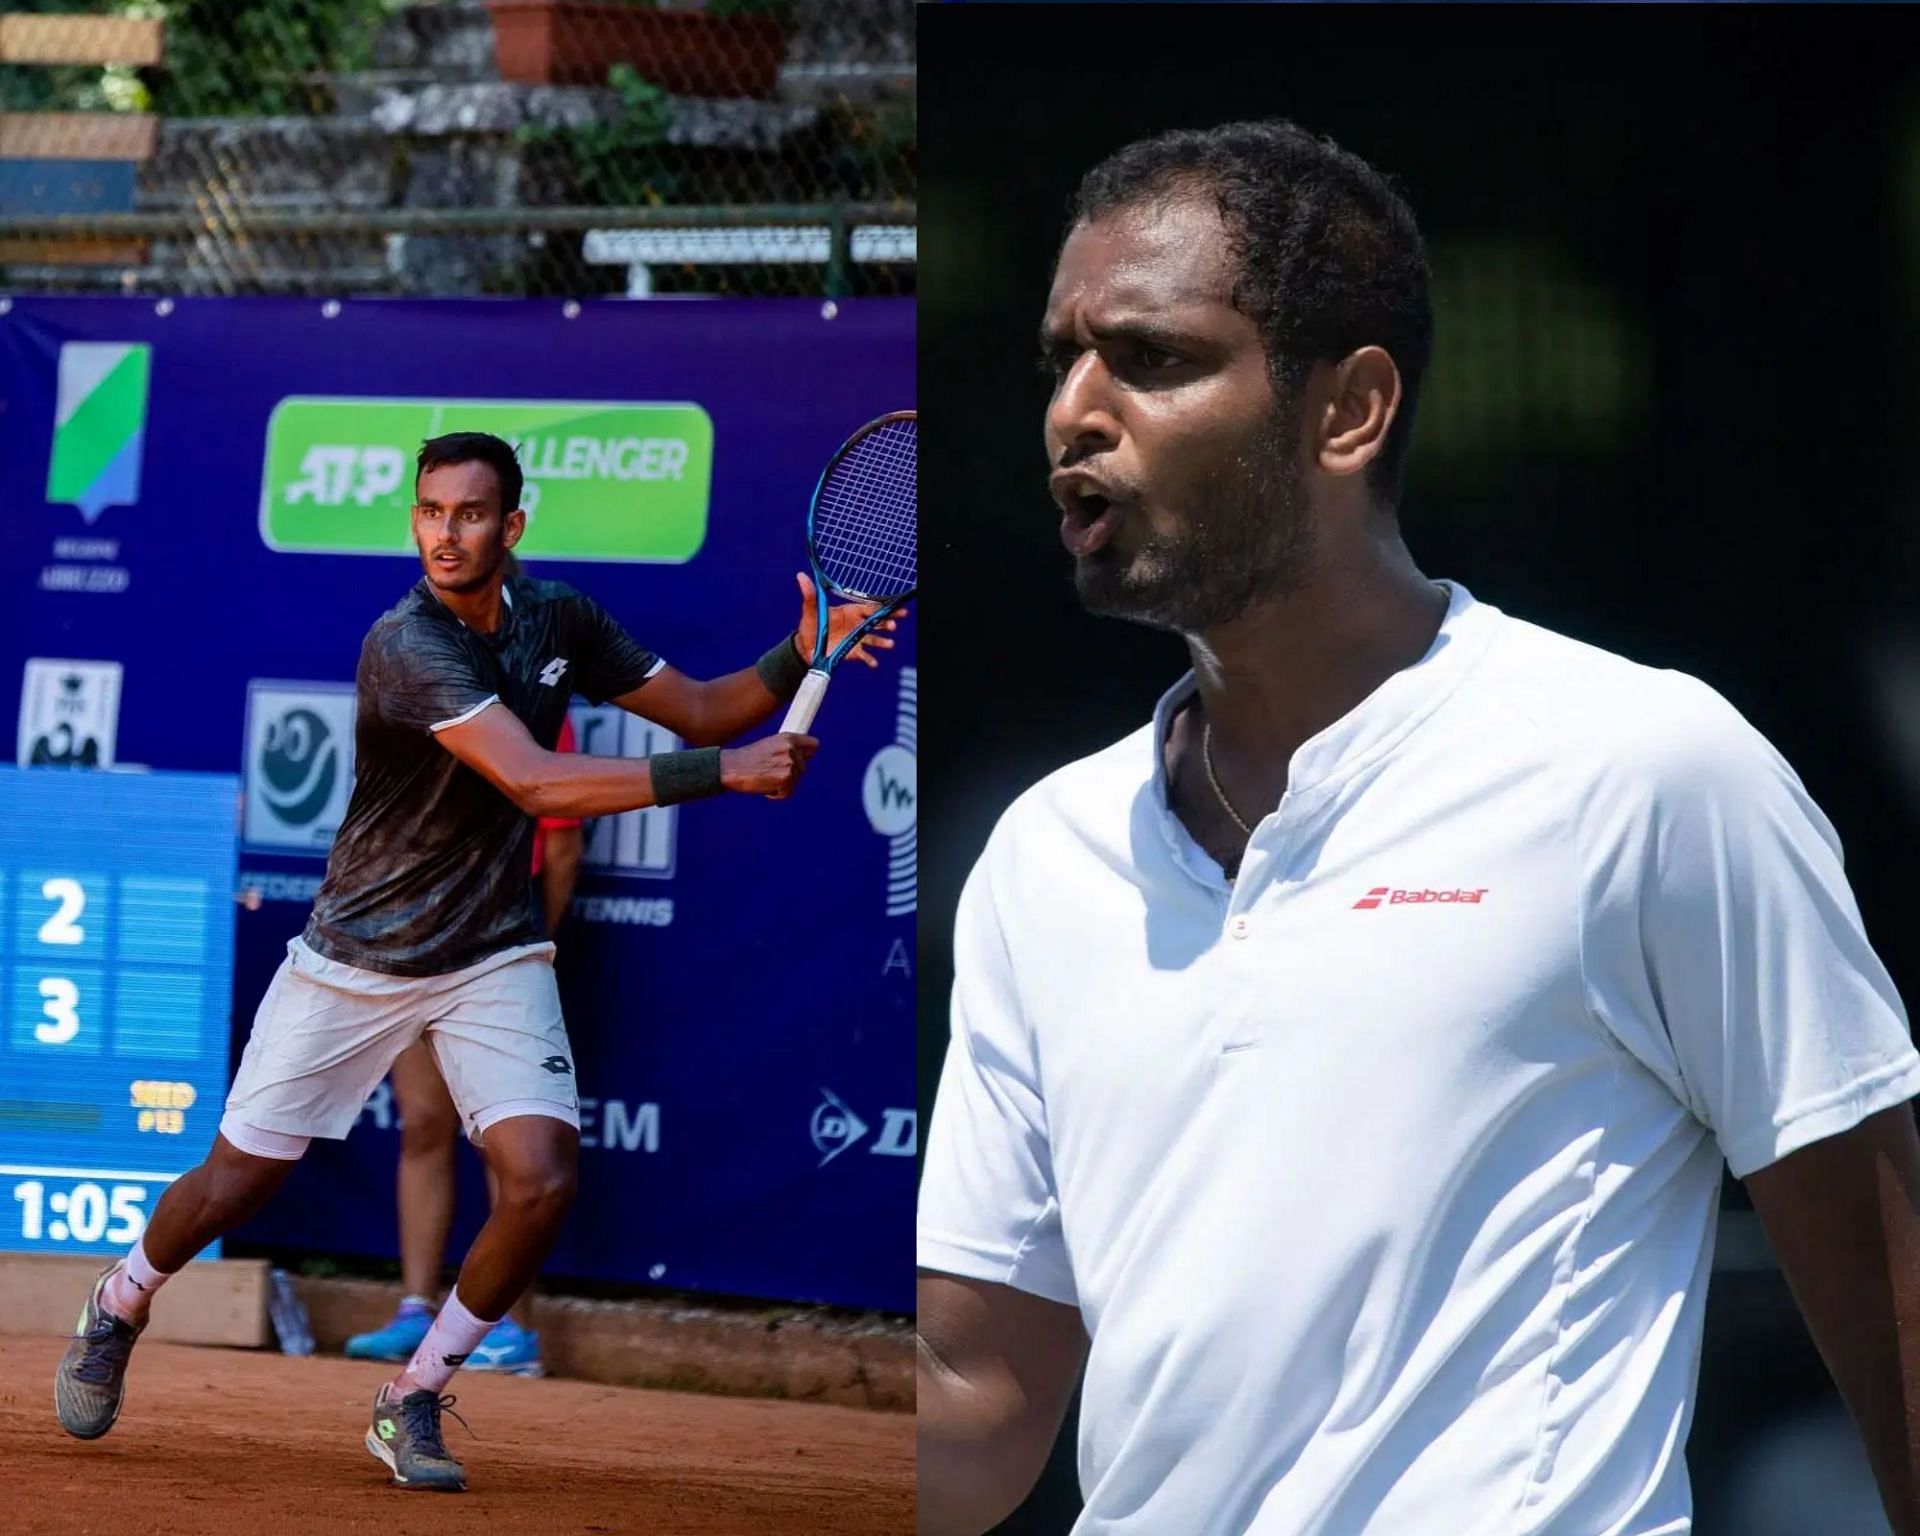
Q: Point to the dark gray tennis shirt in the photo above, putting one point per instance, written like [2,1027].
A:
[429,870]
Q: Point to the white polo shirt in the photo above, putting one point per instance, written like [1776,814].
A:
[1385,1178]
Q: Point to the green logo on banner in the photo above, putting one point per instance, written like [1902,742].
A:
[99,420]
[606,480]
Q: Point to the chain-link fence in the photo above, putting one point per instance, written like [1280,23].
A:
[513,147]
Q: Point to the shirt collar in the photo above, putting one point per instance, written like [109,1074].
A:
[1380,721]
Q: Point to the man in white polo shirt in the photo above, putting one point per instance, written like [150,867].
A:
[1342,1065]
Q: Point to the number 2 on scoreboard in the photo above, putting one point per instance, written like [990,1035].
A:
[64,927]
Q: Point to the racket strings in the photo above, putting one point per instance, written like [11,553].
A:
[865,520]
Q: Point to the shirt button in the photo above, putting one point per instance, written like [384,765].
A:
[1240,927]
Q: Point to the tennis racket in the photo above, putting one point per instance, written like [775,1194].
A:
[863,541]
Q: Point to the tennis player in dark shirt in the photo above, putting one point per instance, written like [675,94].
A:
[425,925]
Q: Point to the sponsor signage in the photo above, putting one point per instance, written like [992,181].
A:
[69,714]
[889,793]
[299,766]
[605,480]
[99,424]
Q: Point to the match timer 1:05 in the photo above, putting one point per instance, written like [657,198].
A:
[116,976]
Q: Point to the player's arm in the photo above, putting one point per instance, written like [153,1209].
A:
[995,1370]
[495,745]
[1843,1215]
[719,709]
[706,713]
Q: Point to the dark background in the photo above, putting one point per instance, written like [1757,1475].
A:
[1676,258]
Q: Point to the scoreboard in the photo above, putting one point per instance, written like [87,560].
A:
[116,977]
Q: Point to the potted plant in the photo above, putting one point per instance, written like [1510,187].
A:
[731,48]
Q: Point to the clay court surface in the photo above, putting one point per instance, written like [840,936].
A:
[239,1441]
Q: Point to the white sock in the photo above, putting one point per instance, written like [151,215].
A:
[129,1289]
[444,1350]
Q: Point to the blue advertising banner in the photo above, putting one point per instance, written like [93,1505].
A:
[206,510]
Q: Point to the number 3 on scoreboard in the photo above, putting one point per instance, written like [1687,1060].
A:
[62,1006]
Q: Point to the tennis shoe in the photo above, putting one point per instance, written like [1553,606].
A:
[509,1349]
[91,1383]
[405,1434]
[398,1340]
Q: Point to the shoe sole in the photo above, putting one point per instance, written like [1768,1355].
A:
[385,1457]
[60,1410]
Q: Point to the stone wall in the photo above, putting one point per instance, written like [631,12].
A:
[431,126]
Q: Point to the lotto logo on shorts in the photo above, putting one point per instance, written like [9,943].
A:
[1382,895]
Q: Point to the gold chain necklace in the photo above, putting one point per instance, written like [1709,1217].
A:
[1206,756]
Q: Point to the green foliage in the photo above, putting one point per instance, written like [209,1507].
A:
[225,58]
[625,159]
[241,60]
[780,10]
[48,88]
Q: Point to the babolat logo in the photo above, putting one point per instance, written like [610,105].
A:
[1382,895]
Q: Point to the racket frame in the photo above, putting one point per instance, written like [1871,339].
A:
[813,686]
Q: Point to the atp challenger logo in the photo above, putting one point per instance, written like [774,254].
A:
[99,425]
[606,479]
[299,764]
[890,793]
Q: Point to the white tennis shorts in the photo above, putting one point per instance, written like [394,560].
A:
[326,1033]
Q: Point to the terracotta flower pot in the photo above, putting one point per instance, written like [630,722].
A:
[575,42]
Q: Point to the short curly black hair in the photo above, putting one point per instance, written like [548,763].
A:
[1331,259]
[474,448]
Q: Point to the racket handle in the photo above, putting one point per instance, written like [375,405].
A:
[806,703]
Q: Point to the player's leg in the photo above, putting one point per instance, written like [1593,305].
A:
[228,1188]
[199,1206]
[534,1157]
[323,1037]
[429,1127]
[534,1160]
[513,1347]
[503,1052]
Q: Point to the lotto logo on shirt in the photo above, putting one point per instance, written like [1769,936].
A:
[299,770]
[1382,895]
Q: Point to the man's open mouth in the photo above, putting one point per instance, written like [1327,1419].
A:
[1087,520]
